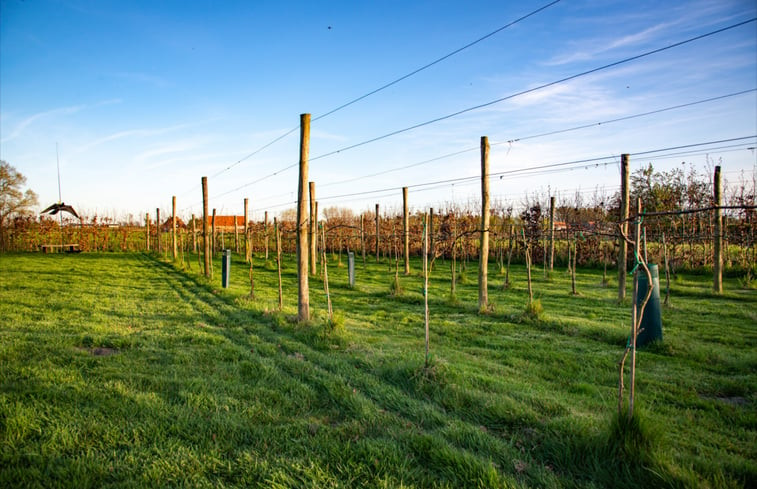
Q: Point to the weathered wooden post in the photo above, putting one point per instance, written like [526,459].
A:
[425,282]
[147,230]
[194,234]
[247,253]
[157,223]
[431,235]
[551,233]
[277,232]
[265,233]
[717,265]
[205,240]
[312,230]
[406,230]
[483,255]
[622,244]
[213,235]
[377,233]
[173,228]
[303,297]
[362,236]
[236,234]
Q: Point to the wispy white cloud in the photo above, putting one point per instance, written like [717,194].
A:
[130,133]
[21,126]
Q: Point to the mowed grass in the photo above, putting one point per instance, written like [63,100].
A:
[124,370]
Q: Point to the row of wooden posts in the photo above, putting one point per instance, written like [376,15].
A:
[307,212]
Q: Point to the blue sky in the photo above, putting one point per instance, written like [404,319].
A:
[144,98]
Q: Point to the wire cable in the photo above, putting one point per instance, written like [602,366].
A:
[439,60]
[534,89]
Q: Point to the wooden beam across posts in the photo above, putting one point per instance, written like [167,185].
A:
[622,244]
[194,234]
[551,233]
[483,255]
[205,240]
[717,246]
[303,295]
[377,233]
[147,230]
[312,230]
[406,230]
[173,228]
[246,231]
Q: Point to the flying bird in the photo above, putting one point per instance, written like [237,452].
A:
[60,207]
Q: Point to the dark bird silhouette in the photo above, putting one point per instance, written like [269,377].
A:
[60,207]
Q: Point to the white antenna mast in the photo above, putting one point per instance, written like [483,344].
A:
[57,160]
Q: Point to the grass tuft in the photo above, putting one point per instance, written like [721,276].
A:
[533,311]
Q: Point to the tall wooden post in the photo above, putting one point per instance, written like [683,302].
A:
[406,230]
[147,230]
[246,230]
[431,233]
[312,230]
[425,282]
[265,233]
[623,245]
[483,255]
[551,233]
[213,234]
[303,297]
[362,236]
[205,240]
[236,234]
[194,233]
[377,233]
[278,258]
[173,227]
[157,223]
[717,265]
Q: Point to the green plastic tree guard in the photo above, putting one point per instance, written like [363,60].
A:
[651,322]
[226,268]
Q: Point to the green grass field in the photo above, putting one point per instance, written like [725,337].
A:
[123,370]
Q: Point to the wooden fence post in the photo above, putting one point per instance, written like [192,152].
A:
[425,282]
[406,230]
[213,235]
[431,235]
[312,230]
[717,265]
[173,228]
[246,230]
[377,233]
[147,230]
[622,244]
[483,255]
[205,240]
[265,233]
[157,223]
[236,234]
[551,233]
[303,295]
[194,234]
[362,236]
[277,232]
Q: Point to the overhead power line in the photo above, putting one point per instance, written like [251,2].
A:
[533,170]
[534,89]
[387,85]
[436,61]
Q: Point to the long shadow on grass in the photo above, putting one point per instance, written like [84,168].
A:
[394,390]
